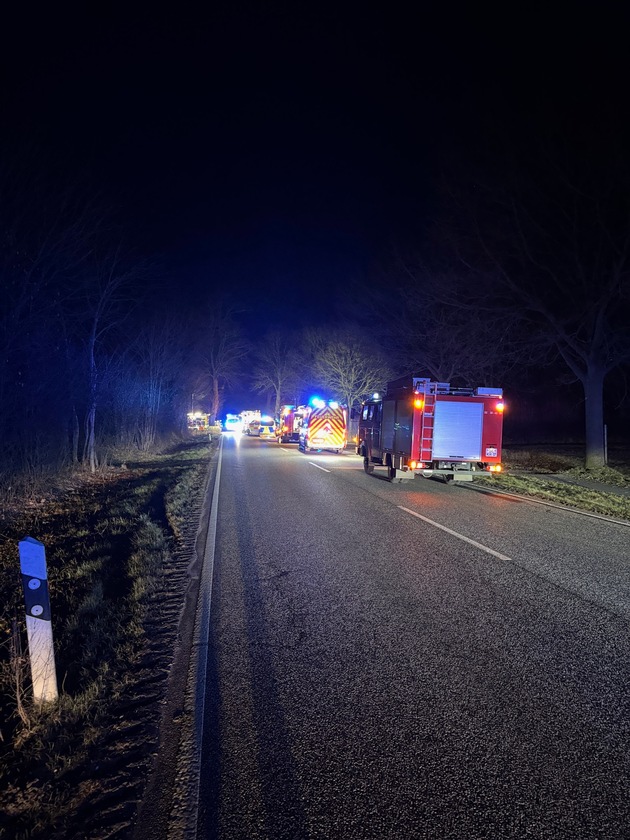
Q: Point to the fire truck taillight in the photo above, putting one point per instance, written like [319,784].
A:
[413,465]
[500,407]
[418,403]
[494,468]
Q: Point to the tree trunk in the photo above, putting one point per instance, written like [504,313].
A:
[593,384]
[90,418]
[215,398]
[91,438]
[75,436]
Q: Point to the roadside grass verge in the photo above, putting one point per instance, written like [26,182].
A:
[567,464]
[572,495]
[108,544]
[605,475]
[568,459]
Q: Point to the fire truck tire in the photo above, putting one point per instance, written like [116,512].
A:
[391,473]
[369,468]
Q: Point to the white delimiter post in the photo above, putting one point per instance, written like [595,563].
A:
[38,623]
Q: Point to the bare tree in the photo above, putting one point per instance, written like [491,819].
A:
[554,250]
[45,245]
[347,365]
[277,370]
[147,375]
[447,329]
[103,296]
[222,350]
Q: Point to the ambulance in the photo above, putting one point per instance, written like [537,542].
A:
[325,426]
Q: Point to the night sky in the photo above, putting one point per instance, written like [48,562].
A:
[256,149]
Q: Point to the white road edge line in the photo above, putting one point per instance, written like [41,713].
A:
[459,536]
[201,640]
[323,469]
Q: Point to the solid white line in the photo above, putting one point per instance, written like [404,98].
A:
[201,640]
[318,467]
[459,536]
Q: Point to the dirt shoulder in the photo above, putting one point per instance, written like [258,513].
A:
[120,550]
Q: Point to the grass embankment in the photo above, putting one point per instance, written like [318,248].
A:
[109,545]
[568,483]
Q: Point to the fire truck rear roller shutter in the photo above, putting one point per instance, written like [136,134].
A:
[457,432]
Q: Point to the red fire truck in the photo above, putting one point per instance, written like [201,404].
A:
[427,428]
[324,426]
[289,423]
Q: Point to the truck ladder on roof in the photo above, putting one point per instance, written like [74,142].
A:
[428,419]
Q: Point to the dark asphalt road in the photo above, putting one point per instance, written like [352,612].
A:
[372,675]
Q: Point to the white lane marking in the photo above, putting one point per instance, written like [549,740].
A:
[459,536]
[318,467]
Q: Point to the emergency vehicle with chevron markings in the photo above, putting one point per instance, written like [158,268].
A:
[324,426]
[428,428]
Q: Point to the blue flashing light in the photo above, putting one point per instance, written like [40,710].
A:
[333,404]
[317,402]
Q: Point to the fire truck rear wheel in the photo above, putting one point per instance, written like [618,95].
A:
[369,468]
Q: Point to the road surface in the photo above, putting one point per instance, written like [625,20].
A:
[413,660]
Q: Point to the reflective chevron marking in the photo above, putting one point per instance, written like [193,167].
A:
[326,426]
